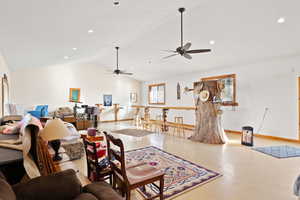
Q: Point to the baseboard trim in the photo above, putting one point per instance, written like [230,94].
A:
[265,136]
[120,120]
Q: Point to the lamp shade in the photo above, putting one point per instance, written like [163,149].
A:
[54,129]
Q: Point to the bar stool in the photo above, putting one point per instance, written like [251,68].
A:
[137,122]
[178,128]
[158,123]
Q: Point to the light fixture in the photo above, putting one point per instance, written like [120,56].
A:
[91,31]
[281,20]
[66,57]
[212,42]
[74,48]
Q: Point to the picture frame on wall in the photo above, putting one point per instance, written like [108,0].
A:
[107,100]
[74,95]
[133,97]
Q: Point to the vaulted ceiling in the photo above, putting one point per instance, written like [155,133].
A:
[38,33]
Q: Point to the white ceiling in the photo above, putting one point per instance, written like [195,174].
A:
[37,33]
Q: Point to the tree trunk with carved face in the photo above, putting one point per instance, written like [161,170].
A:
[208,128]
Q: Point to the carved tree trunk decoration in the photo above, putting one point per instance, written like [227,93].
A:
[208,127]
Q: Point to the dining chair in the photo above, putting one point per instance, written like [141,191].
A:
[97,162]
[134,176]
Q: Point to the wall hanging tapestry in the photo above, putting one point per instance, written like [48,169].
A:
[178,91]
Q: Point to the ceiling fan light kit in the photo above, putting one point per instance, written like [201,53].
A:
[184,50]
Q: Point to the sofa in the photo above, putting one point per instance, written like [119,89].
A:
[63,185]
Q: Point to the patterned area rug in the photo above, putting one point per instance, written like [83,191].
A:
[280,151]
[133,132]
[180,175]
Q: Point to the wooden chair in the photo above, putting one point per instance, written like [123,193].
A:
[94,155]
[134,176]
[158,123]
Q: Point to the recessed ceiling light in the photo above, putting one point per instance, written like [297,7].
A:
[91,31]
[66,57]
[281,20]
[74,48]
[212,42]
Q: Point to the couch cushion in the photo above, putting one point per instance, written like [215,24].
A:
[59,186]
[86,196]
[6,191]
[103,191]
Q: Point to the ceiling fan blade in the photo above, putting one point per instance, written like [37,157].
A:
[199,51]
[125,73]
[170,56]
[170,51]
[187,46]
[188,56]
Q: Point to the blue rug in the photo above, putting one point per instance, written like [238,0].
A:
[280,151]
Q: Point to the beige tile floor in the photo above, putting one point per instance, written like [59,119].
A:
[247,174]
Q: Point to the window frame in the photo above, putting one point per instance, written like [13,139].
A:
[233,76]
[149,95]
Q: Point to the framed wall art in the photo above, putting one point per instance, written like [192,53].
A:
[133,97]
[74,95]
[107,100]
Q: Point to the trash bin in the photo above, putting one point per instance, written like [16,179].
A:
[247,136]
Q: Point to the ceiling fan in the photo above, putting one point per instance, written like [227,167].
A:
[184,50]
[118,71]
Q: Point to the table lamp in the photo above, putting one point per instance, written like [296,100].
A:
[53,131]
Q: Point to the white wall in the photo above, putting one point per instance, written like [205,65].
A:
[3,70]
[50,85]
[268,84]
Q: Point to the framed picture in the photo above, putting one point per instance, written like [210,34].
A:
[133,97]
[156,93]
[74,95]
[107,100]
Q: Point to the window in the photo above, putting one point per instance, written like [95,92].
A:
[228,95]
[156,93]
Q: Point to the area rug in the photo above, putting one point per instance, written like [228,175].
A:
[133,132]
[280,151]
[180,175]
